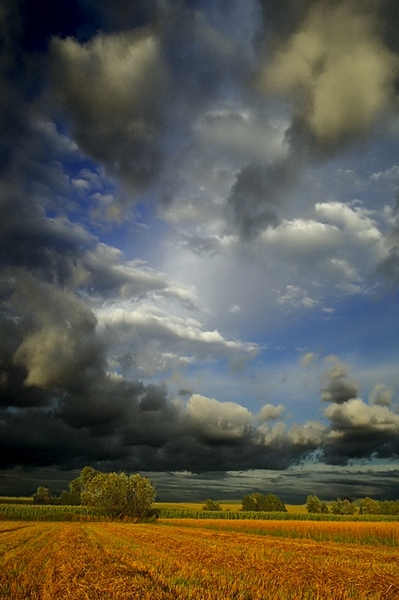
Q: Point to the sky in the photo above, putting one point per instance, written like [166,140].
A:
[199,245]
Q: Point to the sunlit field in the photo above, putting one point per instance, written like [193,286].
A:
[232,505]
[185,505]
[47,561]
[225,505]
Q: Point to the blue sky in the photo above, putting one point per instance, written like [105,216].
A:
[199,245]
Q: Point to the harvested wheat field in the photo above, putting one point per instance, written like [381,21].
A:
[91,561]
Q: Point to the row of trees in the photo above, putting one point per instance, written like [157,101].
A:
[115,495]
[365,506]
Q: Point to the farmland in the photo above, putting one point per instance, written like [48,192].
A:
[200,560]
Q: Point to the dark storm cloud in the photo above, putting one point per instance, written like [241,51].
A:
[256,196]
[359,430]
[112,88]
[282,16]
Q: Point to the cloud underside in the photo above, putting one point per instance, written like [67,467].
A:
[81,414]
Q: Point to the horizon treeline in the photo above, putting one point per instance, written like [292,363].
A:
[346,506]
[254,502]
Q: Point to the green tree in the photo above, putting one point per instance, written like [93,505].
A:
[389,507]
[77,486]
[69,498]
[343,507]
[248,503]
[324,508]
[368,506]
[259,502]
[211,505]
[313,504]
[119,495]
[42,496]
[273,504]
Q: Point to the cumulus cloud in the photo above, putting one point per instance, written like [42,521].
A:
[359,430]
[268,412]
[337,70]
[111,88]
[218,421]
[338,389]
[381,395]
[159,341]
[337,246]
[307,359]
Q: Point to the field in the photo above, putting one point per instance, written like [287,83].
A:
[199,560]
[226,505]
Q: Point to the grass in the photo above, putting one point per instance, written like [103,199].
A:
[121,561]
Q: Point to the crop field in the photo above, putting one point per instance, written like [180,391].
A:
[117,561]
[226,505]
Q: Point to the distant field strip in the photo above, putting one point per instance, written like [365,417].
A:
[117,561]
[350,532]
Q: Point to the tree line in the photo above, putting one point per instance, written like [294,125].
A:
[118,495]
[345,506]
[252,503]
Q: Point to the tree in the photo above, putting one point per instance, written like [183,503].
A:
[273,504]
[313,504]
[77,486]
[248,503]
[324,508]
[69,498]
[343,507]
[42,496]
[389,507]
[259,502]
[368,506]
[211,505]
[119,495]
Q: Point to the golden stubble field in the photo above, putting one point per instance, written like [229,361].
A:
[198,561]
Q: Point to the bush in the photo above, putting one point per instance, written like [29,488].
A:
[211,505]
[259,502]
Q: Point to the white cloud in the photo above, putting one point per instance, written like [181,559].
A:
[295,298]
[307,359]
[218,421]
[160,341]
[269,412]
[133,279]
[381,395]
[389,178]
[302,239]
[356,414]
[354,220]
